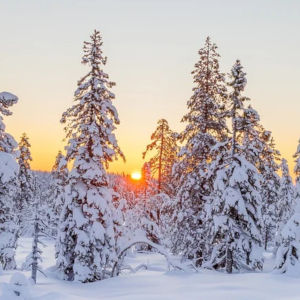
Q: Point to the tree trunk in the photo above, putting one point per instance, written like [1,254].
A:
[266,239]
[229,261]
[160,159]
[34,267]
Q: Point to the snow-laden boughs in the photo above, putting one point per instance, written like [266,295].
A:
[164,148]
[297,173]
[39,228]
[268,166]
[236,202]
[59,176]
[8,187]
[288,253]
[25,195]
[237,218]
[286,196]
[206,127]
[87,226]
[257,146]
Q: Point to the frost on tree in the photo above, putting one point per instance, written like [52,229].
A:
[39,228]
[236,209]
[59,177]
[86,233]
[8,187]
[164,149]
[25,195]
[286,196]
[288,253]
[148,207]
[268,166]
[206,128]
[297,173]
[257,146]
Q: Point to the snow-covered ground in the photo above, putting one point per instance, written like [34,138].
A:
[156,283]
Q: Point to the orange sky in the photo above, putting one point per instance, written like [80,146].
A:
[152,48]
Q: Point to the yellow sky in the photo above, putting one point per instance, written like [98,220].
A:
[151,48]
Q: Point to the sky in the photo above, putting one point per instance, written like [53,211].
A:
[151,47]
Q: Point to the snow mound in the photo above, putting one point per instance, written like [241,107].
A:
[18,288]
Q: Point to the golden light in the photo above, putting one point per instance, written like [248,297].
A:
[136,175]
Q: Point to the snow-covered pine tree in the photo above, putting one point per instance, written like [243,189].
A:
[164,148]
[8,187]
[268,167]
[258,148]
[297,173]
[286,196]
[86,233]
[25,196]
[59,175]
[206,127]
[288,254]
[236,208]
[147,208]
[39,229]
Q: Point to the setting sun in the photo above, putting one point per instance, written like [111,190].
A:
[136,175]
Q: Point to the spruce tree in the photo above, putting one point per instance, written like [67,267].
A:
[59,175]
[297,173]
[164,147]
[86,233]
[257,146]
[8,187]
[206,128]
[39,228]
[270,186]
[25,196]
[288,254]
[236,206]
[286,196]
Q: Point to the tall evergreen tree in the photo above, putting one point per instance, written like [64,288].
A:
[25,196]
[86,232]
[286,196]
[206,128]
[288,254]
[60,175]
[297,172]
[164,145]
[257,146]
[236,207]
[8,187]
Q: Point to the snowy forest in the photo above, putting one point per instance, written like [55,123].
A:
[216,199]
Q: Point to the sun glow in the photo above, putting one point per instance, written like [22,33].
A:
[136,175]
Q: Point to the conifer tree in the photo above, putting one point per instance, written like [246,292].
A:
[236,207]
[39,229]
[286,196]
[86,232]
[288,254]
[8,187]
[270,186]
[165,152]
[25,196]
[206,128]
[59,174]
[257,146]
[297,173]
[148,207]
